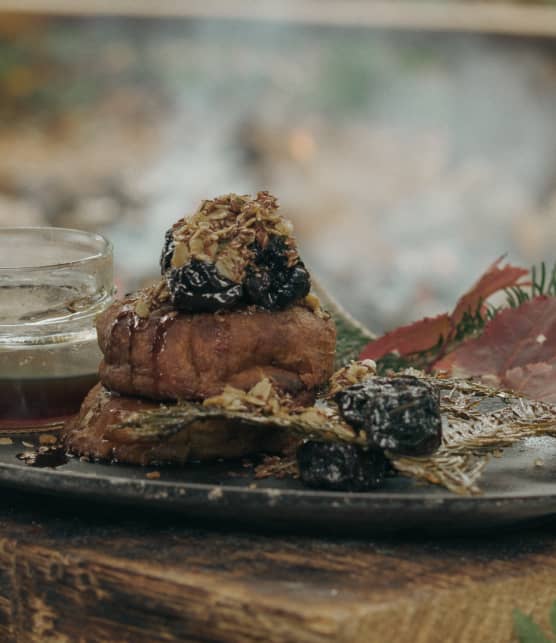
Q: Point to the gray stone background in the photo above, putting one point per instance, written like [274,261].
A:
[408,162]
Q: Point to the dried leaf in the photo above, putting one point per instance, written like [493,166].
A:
[428,333]
[470,433]
[493,280]
[165,421]
[414,338]
[517,351]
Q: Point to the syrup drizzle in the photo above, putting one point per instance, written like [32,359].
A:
[44,457]
[111,354]
[158,346]
[128,319]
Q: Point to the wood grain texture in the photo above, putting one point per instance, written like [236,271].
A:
[67,576]
[516,19]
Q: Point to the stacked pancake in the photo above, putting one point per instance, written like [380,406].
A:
[233,308]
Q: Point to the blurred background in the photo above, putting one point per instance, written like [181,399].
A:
[409,156]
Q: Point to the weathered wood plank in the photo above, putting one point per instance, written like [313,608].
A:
[112,577]
[477,17]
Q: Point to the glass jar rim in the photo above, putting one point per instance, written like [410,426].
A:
[105,247]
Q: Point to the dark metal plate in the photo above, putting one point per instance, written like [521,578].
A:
[518,486]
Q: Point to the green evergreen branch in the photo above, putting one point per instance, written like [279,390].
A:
[543,282]
[471,324]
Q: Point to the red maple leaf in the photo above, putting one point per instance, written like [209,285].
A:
[517,350]
[425,334]
[414,338]
[493,280]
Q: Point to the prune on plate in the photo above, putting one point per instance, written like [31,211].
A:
[167,251]
[398,414]
[340,466]
[197,287]
[270,282]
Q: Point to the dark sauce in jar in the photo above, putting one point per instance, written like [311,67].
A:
[32,402]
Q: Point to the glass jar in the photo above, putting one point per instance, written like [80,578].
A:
[53,284]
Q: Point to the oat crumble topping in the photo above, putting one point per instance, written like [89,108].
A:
[223,229]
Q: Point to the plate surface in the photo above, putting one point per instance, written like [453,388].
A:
[518,486]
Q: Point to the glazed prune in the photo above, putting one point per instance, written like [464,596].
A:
[399,414]
[340,466]
[270,282]
[167,251]
[197,287]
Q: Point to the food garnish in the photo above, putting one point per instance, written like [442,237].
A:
[399,414]
[339,466]
[235,250]
[477,421]
[509,345]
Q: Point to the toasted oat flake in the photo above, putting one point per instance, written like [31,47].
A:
[142,308]
[353,373]
[262,397]
[312,302]
[223,231]
[181,255]
[262,389]
[215,494]
[47,439]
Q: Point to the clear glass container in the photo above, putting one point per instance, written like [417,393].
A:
[53,283]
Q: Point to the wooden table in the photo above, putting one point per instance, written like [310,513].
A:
[72,575]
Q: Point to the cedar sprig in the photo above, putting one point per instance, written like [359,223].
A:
[543,282]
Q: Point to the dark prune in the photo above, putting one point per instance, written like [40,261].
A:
[272,291]
[400,414]
[273,255]
[167,251]
[197,287]
[340,466]
[269,282]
